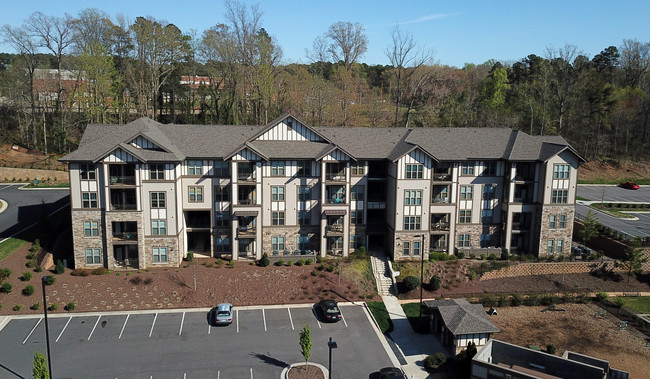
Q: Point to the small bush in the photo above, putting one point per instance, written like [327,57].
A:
[532,300]
[330,268]
[551,348]
[505,255]
[460,254]
[320,267]
[432,362]
[488,300]
[435,282]
[30,264]
[35,306]
[319,259]
[190,256]
[29,290]
[300,262]
[38,268]
[26,276]
[601,296]
[70,306]
[17,307]
[31,255]
[279,262]
[231,264]
[100,271]
[314,273]
[264,261]
[516,300]
[53,307]
[482,257]
[492,257]
[79,272]
[6,287]
[289,263]
[4,273]
[220,261]
[60,268]
[309,261]
[472,256]
[411,283]
[50,280]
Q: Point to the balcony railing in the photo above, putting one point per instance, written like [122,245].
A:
[520,225]
[246,202]
[440,226]
[246,230]
[336,200]
[246,177]
[126,236]
[123,207]
[441,177]
[335,228]
[122,180]
[441,200]
[338,177]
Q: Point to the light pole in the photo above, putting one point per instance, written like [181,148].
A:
[421,271]
[47,330]
[332,345]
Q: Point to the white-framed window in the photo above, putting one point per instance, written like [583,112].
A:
[488,192]
[194,167]
[159,227]
[406,248]
[277,218]
[559,246]
[157,199]
[552,221]
[93,256]
[221,219]
[412,197]
[304,193]
[561,171]
[277,243]
[464,217]
[549,246]
[221,194]
[221,169]
[89,199]
[159,254]
[277,168]
[157,172]
[412,222]
[466,192]
[353,242]
[356,192]
[304,168]
[414,171]
[561,224]
[467,168]
[87,172]
[277,193]
[356,217]
[560,196]
[463,240]
[222,245]
[357,169]
[195,194]
[304,218]
[91,228]
[416,248]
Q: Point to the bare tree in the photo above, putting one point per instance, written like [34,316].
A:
[635,61]
[348,42]
[564,79]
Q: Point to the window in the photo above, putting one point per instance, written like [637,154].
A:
[560,196]
[561,171]
[158,227]
[89,200]
[277,243]
[304,193]
[277,218]
[159,254]
[467,168]
[416,248]
[221,194]
[194,168]
[412,197]
[356,217]
[277,168]
[411,222]
[549,248]
[559,245]
[356,192]
[91,228]
[485,240]
[222,245]
[277,193]
[93,256]
[304,218]
[157,200]
[463,240]
[195,194]
[464,217]
[562,222]
[357,169]
[489,168]
[414,171]
[466,192]
[486,216]
[407,248]
[87,172]
[488,192]
[221,219]
[304,168]
[221,169]
[303,242]
[552,222]
[157,171]
[353,242]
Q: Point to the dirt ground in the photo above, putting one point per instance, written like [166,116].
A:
[580,329]
[614,172]
[21,165]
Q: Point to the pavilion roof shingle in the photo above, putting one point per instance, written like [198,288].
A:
[461,317]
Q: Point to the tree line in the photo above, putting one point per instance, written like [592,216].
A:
[66,72]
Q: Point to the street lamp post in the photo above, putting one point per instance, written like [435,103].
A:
[47,330]
[421,271]
[332,345]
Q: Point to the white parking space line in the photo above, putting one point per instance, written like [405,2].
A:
[237,320]
[34,328]
[251,373]
[313,311]
[93,331]
[343,318]
[123,326]
[182,321]
[62,330]
[209,328]
[290,318]
[264,318]
[153,323]
[218,374]
[184,375]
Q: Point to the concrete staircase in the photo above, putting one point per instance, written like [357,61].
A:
[383,278]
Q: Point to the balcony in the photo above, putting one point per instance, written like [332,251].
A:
[126,231]
[377,170]
[441,177]
[246,231]
[246,172]
[334,195]
[334,229]
[246,195]
[440,226]
[121,175]
[335,172]
[123,200]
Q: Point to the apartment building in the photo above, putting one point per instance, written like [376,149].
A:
[145,194]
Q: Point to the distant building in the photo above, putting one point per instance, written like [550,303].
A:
[499,359]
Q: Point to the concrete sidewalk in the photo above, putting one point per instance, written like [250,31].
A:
[413,347]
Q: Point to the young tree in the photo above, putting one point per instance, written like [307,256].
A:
[40,370]
[589,227]
[305,343]
[634,258]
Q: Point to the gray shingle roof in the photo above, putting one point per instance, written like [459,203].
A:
[461,317]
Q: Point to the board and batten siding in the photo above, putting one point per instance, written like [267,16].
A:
[416,156]
[284,132]
[142,143]
[120,156]
[336,156]
[246,155]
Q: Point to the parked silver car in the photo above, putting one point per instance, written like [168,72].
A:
[222,314]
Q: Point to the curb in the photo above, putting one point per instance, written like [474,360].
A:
[3,205]
[285,372]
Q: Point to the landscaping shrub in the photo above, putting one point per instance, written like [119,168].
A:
[219,261]
[410,283]
[502,301]
[439,256]
[516,300]
[31,255]
[279,262]
[319,259]
[488,300]
[6,287]
[460,254]
[30,264]
[100,271]
[482,257]
[79,272]
[53,307]
[264,261]
[601,296]
[300,262]
[38,268]
[309,261]
[4,273]
[50,280]
[35,306]
[505,255]
[432,362]
[532,300]
[330,268]
[26,276]
[320,267]
[314,273]
[435,282]
[60,268]
[289,263]
[29,290]
[0,306]
[472,256]
[190,256]
[70,306]
[549,299]
[551,348]
[492,257]
[17,307]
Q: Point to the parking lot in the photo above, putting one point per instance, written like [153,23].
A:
[260,342]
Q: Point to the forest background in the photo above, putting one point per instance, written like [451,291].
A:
[67,72]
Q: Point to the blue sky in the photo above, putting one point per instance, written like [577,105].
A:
[459,32]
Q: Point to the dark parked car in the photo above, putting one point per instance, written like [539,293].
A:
[392,373]
[222,314]
[329,310]
[629,185]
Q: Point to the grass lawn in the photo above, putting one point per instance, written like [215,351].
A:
[47,185]
[9,246]
[378,310]
[640,304]
[412,311]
